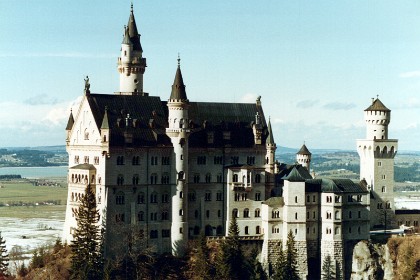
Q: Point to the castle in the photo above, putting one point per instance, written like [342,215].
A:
[167,170]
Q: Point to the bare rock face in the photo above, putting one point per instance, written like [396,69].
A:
[371,261]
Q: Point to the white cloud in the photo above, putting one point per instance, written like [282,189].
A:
[411,74]
[249,98]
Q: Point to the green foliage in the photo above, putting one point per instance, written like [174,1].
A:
[23,270]
[38,258]
[86,260]
[230,261]
[279,266]
[4,257]
[257,271]
[328,272]
[202,267]
[286,266]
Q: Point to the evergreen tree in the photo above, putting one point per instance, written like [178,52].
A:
[4,257]
[290,267]
[279,266]
[202,268]
[230,263]
[86,259]
[328,269]
[257,269]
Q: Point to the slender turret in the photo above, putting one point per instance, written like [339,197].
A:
[179,132]
[131,64]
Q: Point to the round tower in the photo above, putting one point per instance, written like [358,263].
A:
[303,157]
[377,154]
[179,132]
[377,118]
[131,64]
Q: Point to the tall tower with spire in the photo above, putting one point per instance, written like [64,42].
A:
[179,132]
[377,154]
[270,159]
[131,63]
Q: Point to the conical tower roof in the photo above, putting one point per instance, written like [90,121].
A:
[70,122]
[178,88]
[377,105]
[133,33]
[105,122]
[126,39]
[304,151]
[270,139]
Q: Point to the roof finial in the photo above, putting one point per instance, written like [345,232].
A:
[179,60]
[377,96]
[131,6]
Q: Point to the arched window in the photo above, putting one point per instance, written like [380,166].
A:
[140,216]
[135,179]
[219,230]
[119,199]
[337,215]
[153,179]
[257,230]
[153,197]
[296,199]
[246,213]
[246,230]
[235,178]
[235,213]
[257,213]
[257,196]
[140,198]
[383,189]
[208,178]
[120,180]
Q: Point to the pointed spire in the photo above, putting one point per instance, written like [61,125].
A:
[270,139]
[126,39]
[70,122]
[304,150]
[377,105]
[132,31]
[178,88]
[105,122]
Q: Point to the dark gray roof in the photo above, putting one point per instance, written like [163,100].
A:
[407,211]
[178,88]
[335,186]
[143,117]
[298,174]
[70,122]
[304,151]
[270,139]
[274,202]
[84,166]
[133,33]
[126,39]
[377,105]
[147,117]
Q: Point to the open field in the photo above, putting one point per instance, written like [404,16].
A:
[23,192]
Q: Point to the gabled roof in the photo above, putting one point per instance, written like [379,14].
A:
[145,115]
[304,151]
[335,186]
[298,174]
[377,105]
[147,118]
[70,122]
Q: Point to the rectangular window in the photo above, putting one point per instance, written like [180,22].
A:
[96,160]
[201,160]
[218,160]
[379,163]
[219,196]
[207,196]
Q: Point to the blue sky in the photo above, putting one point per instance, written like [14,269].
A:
[316,64]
